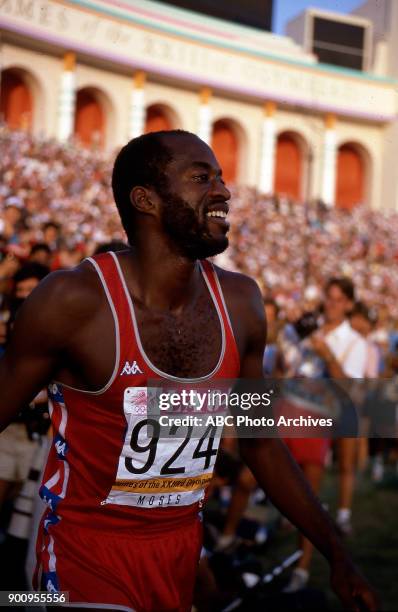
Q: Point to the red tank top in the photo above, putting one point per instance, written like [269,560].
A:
[102,472]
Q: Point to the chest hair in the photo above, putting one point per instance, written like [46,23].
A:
[187,345]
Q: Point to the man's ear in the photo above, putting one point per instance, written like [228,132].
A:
[142,199]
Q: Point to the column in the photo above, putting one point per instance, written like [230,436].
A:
[67,98]
[137,105]
[328,187]
[205,115]
[267,168]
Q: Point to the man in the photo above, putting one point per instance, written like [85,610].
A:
[12,219]
[51,235]
[102,330]
[363,320]
[271,353]
[344,352]
[41,253]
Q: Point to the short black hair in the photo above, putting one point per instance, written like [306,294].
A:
[362,310]
[268,301]
[40,246]
[142,161]
[345,285]
[31,270]
[53,224]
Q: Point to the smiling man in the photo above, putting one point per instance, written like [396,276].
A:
[122,530]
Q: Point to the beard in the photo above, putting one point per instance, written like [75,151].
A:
[191,236]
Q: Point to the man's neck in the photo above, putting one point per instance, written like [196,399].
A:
[164,280]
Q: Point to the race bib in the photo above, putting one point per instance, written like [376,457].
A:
[161,466]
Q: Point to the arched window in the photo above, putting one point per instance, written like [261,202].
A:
[157,119]
[225,145]
[16,100]
[89,118]
[288,167]
[350,177]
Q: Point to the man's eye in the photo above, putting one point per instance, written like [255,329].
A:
[201,178]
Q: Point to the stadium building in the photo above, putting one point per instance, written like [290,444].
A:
[310,115]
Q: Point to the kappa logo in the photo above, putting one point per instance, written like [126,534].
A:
[132,368]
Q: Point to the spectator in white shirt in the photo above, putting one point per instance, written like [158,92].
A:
[362,321]
[345,354]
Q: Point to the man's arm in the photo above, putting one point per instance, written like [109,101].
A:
[354,363]
[41,335]
[279,475]
[324,352]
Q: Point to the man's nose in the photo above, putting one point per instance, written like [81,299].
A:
[219,189]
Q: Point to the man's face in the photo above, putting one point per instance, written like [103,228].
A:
[41,256]
[12,214]
[50,234]
[195,201]
[25,287]
[337,304]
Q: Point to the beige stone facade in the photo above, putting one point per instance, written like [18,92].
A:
[178,55]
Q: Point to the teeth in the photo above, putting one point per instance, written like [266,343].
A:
[217,213]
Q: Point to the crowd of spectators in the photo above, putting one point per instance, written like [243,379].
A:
[56,208]
[53,194]
[291,249]
[57,199]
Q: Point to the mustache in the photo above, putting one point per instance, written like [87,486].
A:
[216,204]
[188,229]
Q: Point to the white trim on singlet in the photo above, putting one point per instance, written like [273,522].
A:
[225,306]
[52,561]
[64,420]
[66,480]
[117,337]
[51,482]
[138,338]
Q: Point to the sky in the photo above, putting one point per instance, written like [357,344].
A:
[284,10]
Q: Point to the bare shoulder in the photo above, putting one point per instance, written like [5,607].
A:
[245,304]
[61,304]
[75,291]
[239,287]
